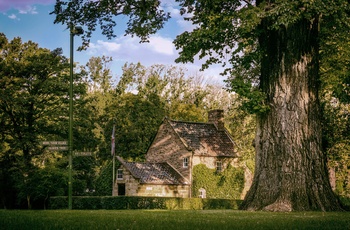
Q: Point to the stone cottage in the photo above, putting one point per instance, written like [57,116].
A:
[177,147]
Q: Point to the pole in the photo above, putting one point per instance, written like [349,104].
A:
[113,175]
[70,121]
[113,158]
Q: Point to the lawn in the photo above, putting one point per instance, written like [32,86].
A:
[168,220]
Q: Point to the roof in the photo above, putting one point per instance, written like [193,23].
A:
[154,173]
[204,138]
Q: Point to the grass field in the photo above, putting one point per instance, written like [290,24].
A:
[168,220]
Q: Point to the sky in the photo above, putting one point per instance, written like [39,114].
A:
[30,20]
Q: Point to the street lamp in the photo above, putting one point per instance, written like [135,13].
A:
[74,30]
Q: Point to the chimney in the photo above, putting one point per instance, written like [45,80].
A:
[217,117]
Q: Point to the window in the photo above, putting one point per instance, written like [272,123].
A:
[218,166]
[202,193]
[120,174]
[185,162]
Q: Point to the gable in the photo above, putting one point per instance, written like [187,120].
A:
[167,145]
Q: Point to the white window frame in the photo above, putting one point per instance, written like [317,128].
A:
[120,174]
[202,193]
[185,162]
[219,166]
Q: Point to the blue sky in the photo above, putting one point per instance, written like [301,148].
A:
[30,20]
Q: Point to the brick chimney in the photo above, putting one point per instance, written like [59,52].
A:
[217,117]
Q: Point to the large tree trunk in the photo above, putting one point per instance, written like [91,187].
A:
[291,172]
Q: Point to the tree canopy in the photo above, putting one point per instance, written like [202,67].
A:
[34,108]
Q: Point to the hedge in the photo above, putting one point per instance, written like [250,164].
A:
[126,202]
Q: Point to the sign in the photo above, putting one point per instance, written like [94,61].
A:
[57,148]
[83,154]
[51,143]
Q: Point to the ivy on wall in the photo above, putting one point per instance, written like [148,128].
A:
[227,184]
[103,183]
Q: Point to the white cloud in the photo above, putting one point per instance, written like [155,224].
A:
[128,49]
[103,47]
[174,9]
[20,5]
[13,16]
[24,10]
[160,50]
[28,10]
[161,45]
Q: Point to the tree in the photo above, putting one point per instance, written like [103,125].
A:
[136,121]
[281,39]
[33,89]
[34,107]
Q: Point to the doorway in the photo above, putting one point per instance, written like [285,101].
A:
[121,189]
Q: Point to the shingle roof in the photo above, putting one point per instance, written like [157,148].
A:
[154,173]
[204,138]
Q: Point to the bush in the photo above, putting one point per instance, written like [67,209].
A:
[345,202]
[58,202]
[124,202]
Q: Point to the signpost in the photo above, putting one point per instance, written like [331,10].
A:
[50,143]
[83,154]
[65,146]
[56,145]
[57,148]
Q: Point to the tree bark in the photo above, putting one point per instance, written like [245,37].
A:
[291,171]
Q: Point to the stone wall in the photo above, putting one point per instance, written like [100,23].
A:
[168,147]
[182,191]
[131,184]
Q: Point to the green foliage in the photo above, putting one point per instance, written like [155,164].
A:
[227,184]
[124,202]
[335,96]
[43,184]
[33,90]
[34,107]
[104,181]
[242,127]
[144,17]
[345,202]
[136,121]
[252,99]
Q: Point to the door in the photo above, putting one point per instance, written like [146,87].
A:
[121,189]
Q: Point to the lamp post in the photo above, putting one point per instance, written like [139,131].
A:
[74,30]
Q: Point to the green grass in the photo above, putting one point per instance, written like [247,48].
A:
[168,220]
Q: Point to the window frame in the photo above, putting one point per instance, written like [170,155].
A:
[120,174]
[185,162]
[202,193]
[218,166]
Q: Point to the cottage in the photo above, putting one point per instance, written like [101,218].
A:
[176,149]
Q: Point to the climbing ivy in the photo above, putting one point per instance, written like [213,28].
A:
[103,183]
[227,184]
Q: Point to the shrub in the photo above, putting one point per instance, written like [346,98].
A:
[124,202]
